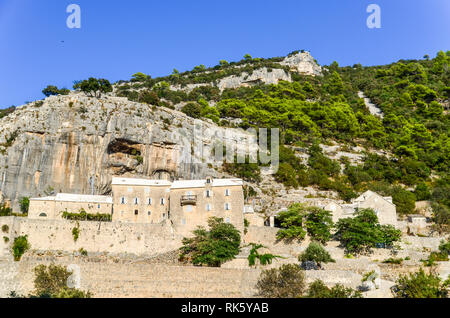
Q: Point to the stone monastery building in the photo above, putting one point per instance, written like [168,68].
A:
[187,203]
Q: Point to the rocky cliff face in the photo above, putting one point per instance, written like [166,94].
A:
[76,144]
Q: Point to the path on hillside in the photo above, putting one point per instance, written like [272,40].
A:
[374,110]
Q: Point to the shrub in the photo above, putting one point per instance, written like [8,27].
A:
[288,281]
[24,205]
[76,233]
[214,247]
[420,285]
[83,216]
[391,260]
[193,110]
[319,290]
[316,253]
[5,228]
[20,246]
[51,282]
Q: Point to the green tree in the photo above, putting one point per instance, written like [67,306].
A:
[363,232]
[288,281]
[420,285]
[319,223]
[214,247]
[291,222]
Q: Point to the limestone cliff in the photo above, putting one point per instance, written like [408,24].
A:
[76,144]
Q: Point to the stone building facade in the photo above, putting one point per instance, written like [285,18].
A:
[384,208]
[140,200]
[186,203]
[53,207]
[193,202]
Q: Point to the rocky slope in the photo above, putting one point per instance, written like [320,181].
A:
[76,144]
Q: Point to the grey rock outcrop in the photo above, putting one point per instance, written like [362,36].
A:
[76,144]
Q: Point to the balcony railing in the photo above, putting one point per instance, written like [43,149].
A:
[189,200]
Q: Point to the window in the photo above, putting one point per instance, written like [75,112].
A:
[227,192]
[227,207]
[227,220]
[164,215]
[43,215]
[130,189]
[98,206]
[208,207]
[121,213]
[122,200]
[208,193]
[149,213]
[183,221]
[136,201]
[208,180]
[149,201]
[163,201]
[188,208]
[147,190]
[136,212]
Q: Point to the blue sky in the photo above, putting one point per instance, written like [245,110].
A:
[120,38]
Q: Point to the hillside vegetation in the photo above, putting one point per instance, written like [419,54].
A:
[407,149]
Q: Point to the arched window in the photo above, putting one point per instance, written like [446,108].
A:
[43,215]
[227,192]
[227,207]
[208,207]
[136,201]
[208,193]
[122,200]
[149,201]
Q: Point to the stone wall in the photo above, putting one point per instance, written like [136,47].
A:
[106,278]
[106,237]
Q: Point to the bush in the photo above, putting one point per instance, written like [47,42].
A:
[5,228]
[316,253]
[420,285]
[397,261]
[319,290]
[83,216]
[24,205]
[20,246]
[288,281]
[51,282]
[214,247]
[76,233]
[193,110]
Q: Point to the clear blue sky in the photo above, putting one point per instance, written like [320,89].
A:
[120,38]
